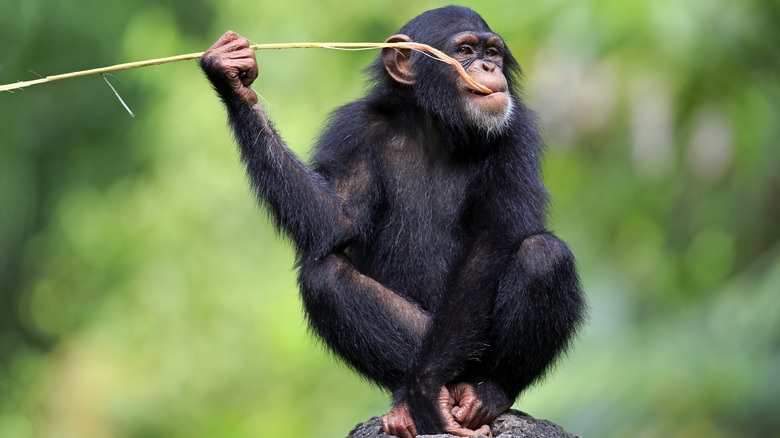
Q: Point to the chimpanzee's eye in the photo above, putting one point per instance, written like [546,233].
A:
[465,50]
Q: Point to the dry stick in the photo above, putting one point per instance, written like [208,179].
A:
[413,46]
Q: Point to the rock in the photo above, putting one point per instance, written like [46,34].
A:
[512,424]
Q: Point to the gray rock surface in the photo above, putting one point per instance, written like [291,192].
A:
[513,424]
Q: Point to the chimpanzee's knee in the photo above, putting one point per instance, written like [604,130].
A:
[543,255]
[320,272]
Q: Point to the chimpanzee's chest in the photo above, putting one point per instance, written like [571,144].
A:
[419,231]
[422,187]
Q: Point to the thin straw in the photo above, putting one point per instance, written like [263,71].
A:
[126,66]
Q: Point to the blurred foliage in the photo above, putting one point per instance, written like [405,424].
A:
[143,294]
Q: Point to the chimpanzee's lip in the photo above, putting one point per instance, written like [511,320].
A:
[481,94]
[496,88]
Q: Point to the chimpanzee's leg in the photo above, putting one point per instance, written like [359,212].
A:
[372,329]
[539,306]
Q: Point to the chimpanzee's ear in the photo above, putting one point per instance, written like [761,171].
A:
[398,62]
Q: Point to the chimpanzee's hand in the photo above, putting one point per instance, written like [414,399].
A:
[231,66]
[462,412]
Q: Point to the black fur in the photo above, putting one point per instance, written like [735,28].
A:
[422,243]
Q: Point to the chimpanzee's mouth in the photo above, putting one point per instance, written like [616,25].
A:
[478,93]
[481,94]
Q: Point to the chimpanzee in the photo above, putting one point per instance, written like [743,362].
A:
[420,226]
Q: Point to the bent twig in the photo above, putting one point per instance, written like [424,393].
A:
[126,66]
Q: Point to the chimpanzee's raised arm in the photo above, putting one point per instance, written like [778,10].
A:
[301,202]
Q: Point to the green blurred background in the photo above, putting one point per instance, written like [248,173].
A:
[143,293]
